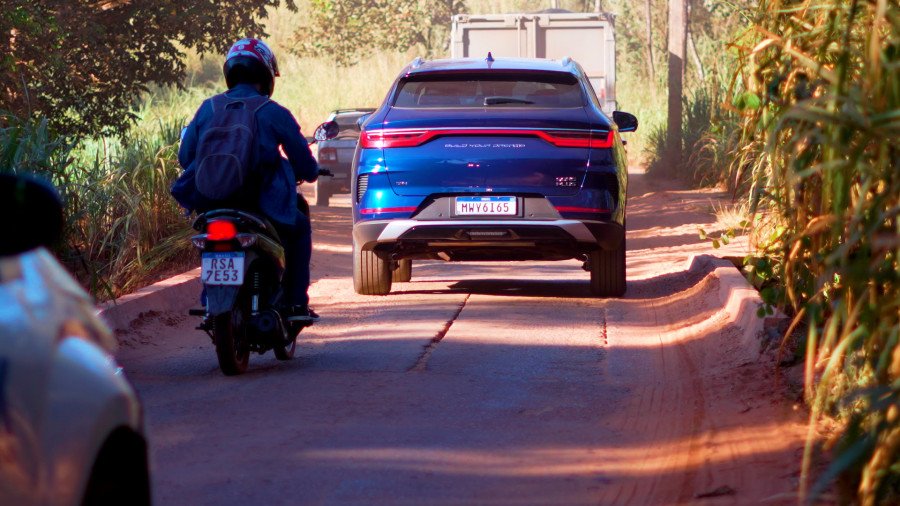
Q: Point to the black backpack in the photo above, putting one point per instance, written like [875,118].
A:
[226,149]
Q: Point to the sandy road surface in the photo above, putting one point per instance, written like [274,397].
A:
[481,384]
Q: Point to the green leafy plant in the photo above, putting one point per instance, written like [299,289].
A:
[121,223]
[820,119]
[83,64]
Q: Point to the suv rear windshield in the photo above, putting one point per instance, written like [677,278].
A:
[533,89]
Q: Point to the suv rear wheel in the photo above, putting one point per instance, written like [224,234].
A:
[371,273]
[608,272]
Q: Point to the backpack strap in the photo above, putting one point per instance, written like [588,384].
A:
[253,104]
[218,102]
[256,103]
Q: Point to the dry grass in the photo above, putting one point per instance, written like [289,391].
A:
[819,136]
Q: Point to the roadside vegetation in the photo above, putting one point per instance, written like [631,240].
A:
[792,106]
[121,225]
[805,133]
[819,146]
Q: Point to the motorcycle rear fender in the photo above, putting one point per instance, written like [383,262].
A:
[221,298]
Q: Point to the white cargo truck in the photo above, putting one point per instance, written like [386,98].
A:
[588,38]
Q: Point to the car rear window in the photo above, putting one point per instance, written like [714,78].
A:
[546,89]
[347,126]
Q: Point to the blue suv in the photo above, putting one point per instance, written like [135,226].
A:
[494,159]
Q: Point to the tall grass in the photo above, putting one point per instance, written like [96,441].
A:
[711,134]
[821,139]
[121,225]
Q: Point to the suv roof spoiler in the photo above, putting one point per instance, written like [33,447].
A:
[355,109]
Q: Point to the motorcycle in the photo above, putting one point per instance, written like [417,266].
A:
[242,265]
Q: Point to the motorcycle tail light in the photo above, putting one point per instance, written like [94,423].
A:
[220,230]
[246,240]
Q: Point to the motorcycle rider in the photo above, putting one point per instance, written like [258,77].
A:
[250,70]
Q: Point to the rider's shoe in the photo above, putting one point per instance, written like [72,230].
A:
[301,314]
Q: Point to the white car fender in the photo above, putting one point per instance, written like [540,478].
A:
[85,379]
[64,392]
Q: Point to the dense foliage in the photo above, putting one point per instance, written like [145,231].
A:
[353,29]
[121,224]
[83,63]
[820,136]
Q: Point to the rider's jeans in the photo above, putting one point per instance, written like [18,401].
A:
[297,242]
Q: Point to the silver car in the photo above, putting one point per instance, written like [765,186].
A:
[336,155]
[71,431]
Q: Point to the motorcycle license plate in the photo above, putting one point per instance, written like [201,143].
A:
[222,268]
[486,206]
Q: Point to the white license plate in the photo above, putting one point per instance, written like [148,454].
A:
[222,268]
[486,206]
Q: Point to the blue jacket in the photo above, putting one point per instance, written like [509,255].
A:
[276,127]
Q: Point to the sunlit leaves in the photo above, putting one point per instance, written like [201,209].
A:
[350,30]
[83,63]
[746,101]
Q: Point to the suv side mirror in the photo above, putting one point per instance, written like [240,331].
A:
[362,120]
[626,122]
[34,214]
[326,131]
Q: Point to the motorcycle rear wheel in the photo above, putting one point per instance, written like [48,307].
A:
[286,351]
[230,331]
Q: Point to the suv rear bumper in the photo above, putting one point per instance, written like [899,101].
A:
[435,235]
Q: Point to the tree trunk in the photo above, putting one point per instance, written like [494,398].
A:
[692,48]
[651,65]
[678,21]
[698,63]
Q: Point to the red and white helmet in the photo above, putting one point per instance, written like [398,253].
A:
[251,57]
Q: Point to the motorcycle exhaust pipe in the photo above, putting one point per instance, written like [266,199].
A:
[267,322]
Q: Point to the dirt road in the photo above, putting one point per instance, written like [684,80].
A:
[483,384]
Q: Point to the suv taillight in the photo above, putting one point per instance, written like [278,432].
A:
[397,138]
[406,138]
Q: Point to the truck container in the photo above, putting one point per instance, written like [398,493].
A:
[588,38]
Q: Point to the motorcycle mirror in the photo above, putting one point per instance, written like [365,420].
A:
[326,131]
[626,122]
[35,210]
